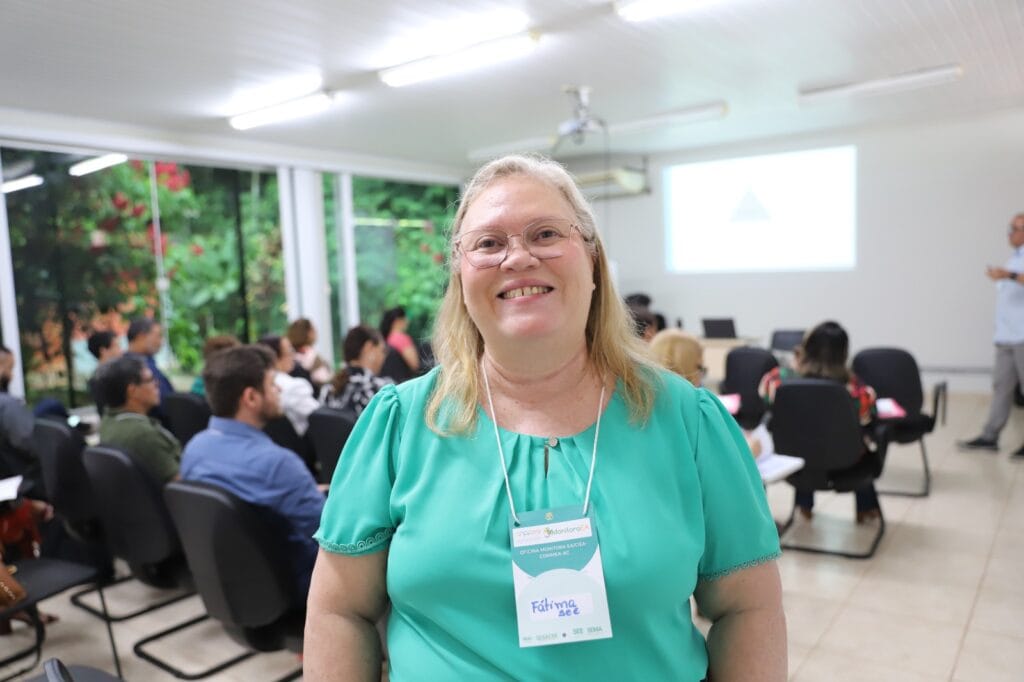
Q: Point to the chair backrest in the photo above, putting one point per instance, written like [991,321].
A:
[786,339]
[816,419]
[236,551]
[893,373]
[719,328]
[744,368]
[187,414]
[59,448]
[131,507]
[329,430]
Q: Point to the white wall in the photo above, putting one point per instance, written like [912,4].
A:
[934,201]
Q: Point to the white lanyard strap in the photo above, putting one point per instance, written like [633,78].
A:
[501,450]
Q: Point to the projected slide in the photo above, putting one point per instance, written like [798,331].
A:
[778,212]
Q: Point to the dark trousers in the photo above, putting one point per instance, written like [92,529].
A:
[867,498]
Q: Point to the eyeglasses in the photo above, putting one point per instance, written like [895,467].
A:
[147,380]
[543,239]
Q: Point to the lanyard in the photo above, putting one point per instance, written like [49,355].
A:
[501,450]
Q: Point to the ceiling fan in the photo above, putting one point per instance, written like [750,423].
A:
[584,122]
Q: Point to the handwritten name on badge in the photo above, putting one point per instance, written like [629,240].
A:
[561,607]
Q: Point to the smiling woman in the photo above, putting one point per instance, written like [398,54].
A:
[455,490]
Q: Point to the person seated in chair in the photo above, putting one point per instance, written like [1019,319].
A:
[235,454]
[213,345]
[129,390]
[355,384]
[297,400]
[823,355]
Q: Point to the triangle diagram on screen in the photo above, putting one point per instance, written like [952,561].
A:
[750,209]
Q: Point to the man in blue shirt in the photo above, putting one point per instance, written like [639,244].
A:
[1009,340]
[236,455]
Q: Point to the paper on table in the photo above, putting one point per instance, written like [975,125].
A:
[9,488]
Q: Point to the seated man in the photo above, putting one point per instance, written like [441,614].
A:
[16,423]
[104,347]
[129,390]
[236,455]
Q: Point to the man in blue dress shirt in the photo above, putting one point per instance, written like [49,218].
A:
[1009,340]
[235,454]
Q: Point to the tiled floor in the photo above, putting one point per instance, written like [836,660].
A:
[943,599]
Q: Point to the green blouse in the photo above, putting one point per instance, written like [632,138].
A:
[675,500]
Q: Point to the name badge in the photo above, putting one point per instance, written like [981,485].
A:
[558,578]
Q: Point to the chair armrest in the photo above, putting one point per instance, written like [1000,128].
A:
[939,400]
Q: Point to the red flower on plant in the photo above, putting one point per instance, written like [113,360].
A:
[196,249]
[137,164]
[120,201]
[439,258]
[138,210]
[166,167]
[424,248]
[110,224]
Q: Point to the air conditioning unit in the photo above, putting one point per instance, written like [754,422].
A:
[615,182]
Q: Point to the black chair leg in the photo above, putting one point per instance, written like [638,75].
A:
[110,632]
[177,672]
[833,552]
[36,648]
[77,600]
[926,487]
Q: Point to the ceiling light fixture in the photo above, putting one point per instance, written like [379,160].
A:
[642,10]
[285,111]
[703,112]
[95,164]
[21,183]
[922,78]
[468,59]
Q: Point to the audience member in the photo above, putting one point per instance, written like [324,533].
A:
[145,338]
[211,346]
[235,454]
[129,391]
[822,355]
[392,327]
[104,347]
[357,382]
[644,324]
[16,424]
[680,352]
[297,400]
[302,335]
[1009,340]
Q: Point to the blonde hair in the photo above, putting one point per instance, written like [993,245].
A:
[613,348]
[679,352]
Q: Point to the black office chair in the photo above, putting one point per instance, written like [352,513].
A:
[744,368]
[329,430]
[42,579]
[59,449]
[238,555]
[786,340]
[282,432]
[817,420]
[893,373]
[187,414]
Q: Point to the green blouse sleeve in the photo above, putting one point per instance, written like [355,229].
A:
[357,515]
[739,529]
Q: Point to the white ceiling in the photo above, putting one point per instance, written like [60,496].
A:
[175,66]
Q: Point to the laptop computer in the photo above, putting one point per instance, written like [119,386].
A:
[719,328]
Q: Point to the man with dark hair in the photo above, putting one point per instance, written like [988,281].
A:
[16,424]
[128,388]
[297,399]
[104,347]
[145,338]
[235,454]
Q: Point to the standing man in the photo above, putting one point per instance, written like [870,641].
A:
[145,338]
[128,388]
[236,455]
[1009,340]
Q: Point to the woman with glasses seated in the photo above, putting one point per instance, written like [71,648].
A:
[546,500]
[822,355]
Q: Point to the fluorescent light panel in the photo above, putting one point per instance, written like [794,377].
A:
[704,112]
[21,183]
[642,10]
[468,59]
[451,34]
[286,111]
[912,80]
[98,163]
